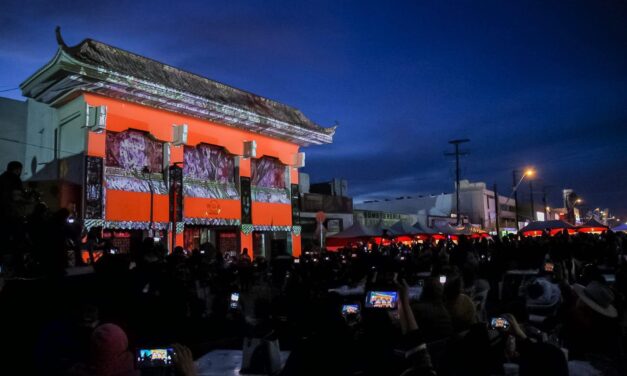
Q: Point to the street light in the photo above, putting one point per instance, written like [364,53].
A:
[528,172]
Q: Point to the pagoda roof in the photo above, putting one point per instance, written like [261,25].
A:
[93,66]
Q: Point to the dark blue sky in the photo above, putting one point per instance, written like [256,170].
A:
[540,83]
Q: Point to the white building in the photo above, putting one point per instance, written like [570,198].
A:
[12,132]
[477,207]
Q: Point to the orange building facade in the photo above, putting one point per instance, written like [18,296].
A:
[173,155]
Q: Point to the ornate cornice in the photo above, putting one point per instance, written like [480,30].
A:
[65,77]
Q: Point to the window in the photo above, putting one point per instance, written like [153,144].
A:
[133,150]
[209,162]
[267,172]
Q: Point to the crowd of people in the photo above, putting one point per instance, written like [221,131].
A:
[548,305]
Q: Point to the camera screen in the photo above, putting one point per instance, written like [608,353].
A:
[234,299]
[548,267]
[350,309]
[147,358]
[442,279]
[499,323]
[381,299]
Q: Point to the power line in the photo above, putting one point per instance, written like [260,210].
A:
[34,145]
[15,88]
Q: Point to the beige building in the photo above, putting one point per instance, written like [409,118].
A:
[478,207]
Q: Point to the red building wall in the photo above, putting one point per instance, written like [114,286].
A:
[134,206]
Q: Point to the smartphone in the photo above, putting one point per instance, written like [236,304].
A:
[296,261]
[499,323]
[442,279]
[350,309]
[382,299]
[548,267]
[234,300]
[151,358]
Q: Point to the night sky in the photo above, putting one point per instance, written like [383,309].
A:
[539,83]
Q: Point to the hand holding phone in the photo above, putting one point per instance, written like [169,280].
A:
[183,360]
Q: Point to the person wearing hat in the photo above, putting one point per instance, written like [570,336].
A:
[597,297]
[543,297]
[108,354]
[591,329]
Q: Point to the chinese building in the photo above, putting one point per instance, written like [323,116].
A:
[153,150]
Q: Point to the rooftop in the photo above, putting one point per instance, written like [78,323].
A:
[94,66]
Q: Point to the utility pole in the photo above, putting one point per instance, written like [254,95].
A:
[514,187]
[457,154]
[496,211]
[546,210]
[533,211]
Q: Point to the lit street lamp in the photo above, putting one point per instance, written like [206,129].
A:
[577,202]
[533,211]
[528,172]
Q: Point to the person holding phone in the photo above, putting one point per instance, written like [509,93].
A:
[460,306]
[109,354]
[430,312]
[245,268]
[415,346]
[534,358]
